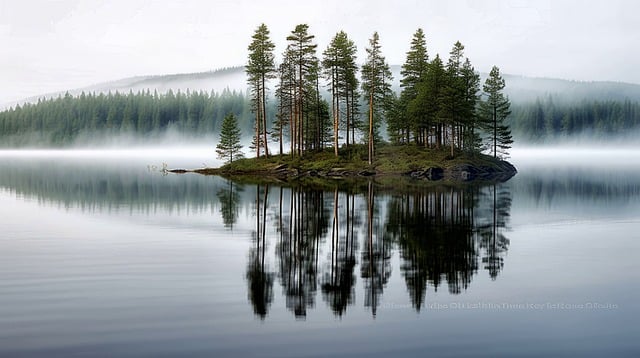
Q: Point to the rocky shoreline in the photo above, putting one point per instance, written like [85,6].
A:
[501,171]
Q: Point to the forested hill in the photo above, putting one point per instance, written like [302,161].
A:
[232,78]
[542,109]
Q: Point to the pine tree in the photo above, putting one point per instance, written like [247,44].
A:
[260,68]
[494,112]
[340,69]
[300,55]
[458,100]
[376,84]
[229,147]
[470,140]
[428,101]
[413,72]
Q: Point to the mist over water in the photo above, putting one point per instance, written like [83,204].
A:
[175,156]
[577,155]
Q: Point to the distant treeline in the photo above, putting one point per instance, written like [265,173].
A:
[549,119]
[63,120]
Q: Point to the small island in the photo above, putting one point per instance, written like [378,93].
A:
[391,161]
[437,127]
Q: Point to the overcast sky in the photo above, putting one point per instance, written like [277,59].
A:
[53,45]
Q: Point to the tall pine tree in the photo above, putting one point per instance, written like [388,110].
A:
[494,112]
[413,72]
[428,100]
[470,140]
[340,69]
[260,68]
[300,55]
[376,85]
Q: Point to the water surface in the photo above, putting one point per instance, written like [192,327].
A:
[103,255]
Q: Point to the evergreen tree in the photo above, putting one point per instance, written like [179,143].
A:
[428,101]
[340,69]
[494,111]
[413,72]
[471,86]
[376,84]
[301,60]
[229,146]
[458,100]
[452,95]
[260,68]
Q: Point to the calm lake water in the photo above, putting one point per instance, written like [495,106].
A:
[103,255]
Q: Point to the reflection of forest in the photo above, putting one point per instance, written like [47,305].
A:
[97,186]
[442,235]
[310,242]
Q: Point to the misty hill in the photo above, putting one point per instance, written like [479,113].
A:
[520,89]
[232,78]
[523,89]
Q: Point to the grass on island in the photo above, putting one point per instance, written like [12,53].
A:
[389,159]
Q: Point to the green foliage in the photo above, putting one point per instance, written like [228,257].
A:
[470,139]
[425,108]
[90,117]
[414,72]
[229,146]
[438,103]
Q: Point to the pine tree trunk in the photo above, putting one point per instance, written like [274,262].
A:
[348,116]
[292,121]
[319,120]
[452,139]
[353,128]
[334,103]
[280,129]
[495,131]
[258,132]
[300,109]
[264,116]
[371,128]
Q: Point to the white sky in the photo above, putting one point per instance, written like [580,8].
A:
[56,45]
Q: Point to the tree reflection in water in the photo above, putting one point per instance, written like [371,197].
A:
[376,268]
[338,280]
[303,226]
[229,198]
[259,279]
[441,234]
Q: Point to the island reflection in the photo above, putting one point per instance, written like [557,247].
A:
[339,245]
[325,240]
